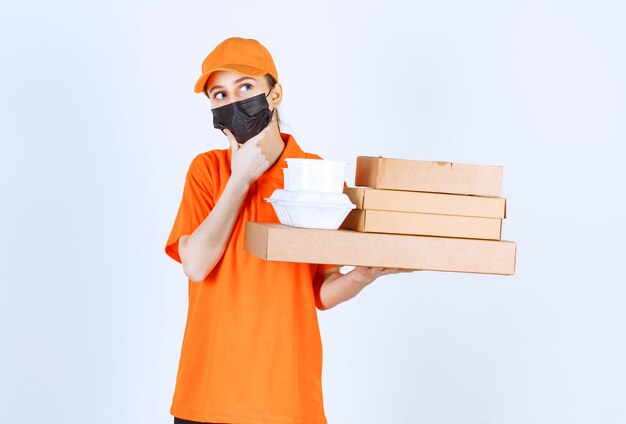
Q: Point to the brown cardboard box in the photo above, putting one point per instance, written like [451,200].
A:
[416,201]
[417,175]
[426,224]
[277,242]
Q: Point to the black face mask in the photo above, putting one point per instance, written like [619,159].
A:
[245,118]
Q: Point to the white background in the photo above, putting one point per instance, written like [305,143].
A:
[99,123]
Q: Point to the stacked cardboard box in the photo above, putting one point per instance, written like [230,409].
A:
[437,216]
[426,198]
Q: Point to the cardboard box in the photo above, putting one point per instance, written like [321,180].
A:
[376,221]
[440,177]
[277,242]
[437,203]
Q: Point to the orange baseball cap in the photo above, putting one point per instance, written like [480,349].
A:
[242,55]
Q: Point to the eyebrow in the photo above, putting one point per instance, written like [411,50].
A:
[236,81]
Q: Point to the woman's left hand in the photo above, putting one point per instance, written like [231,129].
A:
[367,274]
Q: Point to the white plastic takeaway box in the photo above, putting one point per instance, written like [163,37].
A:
[311,209]
[316,175]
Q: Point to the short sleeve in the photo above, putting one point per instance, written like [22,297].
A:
[196,203]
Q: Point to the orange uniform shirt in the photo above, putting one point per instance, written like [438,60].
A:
[251,350]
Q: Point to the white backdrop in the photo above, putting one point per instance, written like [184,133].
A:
[99,122]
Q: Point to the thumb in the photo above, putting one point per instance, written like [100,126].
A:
[231,138]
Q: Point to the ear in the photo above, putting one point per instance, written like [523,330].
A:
[276,96]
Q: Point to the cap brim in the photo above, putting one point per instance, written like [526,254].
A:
[240,69]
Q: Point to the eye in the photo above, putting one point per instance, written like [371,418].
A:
[247,85]
[217,94]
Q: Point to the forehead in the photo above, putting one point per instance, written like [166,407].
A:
[225,78]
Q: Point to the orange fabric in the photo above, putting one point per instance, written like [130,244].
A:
[251,350]
[245,56]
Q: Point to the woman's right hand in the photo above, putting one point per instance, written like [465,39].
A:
[247,162]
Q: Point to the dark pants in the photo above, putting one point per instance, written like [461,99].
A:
[181,421]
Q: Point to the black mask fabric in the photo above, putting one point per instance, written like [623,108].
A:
[245,118]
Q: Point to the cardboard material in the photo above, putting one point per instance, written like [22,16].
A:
[417,175]
[437,203]
[370,220]
[277,242]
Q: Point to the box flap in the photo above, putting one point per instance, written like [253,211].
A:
[356,195]
[429,176]
[392,222]
[425,202]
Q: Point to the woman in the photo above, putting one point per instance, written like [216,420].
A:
[251,350]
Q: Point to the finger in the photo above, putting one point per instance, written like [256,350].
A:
[398,270]
[234,145]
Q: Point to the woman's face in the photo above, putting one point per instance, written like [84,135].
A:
[224,87]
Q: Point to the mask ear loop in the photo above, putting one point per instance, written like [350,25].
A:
[266,99]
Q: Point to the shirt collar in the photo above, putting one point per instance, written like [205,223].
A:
[291,150]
